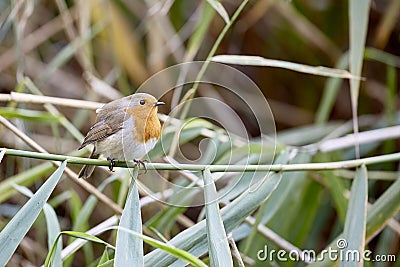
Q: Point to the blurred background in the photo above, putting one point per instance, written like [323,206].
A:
[101,50]
[123,43]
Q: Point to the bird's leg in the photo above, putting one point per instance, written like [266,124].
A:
[112,163]
[141,162]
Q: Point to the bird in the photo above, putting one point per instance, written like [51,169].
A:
[125,129]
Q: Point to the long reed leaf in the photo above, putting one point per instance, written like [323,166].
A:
[12,235]
[355,225]
[129,249]
[218,246]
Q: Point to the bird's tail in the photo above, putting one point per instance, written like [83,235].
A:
[87,170]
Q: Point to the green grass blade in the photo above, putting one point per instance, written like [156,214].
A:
[129,249]
[16,229]
[80,235]
[336,187]
[260,61]
[329,95]
[29,115]
[178,253]
[371,53]
[358,13]
[87,237]
[104,258]
[108,263]
[218,247]
[53,227]
[383,209]
[220,9]
[355,224]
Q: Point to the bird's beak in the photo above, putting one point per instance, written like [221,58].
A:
[158,104]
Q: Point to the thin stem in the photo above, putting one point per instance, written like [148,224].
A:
[40,99]
[212,53]
[235,251]
[213,168]
[202,71]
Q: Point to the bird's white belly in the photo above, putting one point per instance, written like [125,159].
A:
[122,145]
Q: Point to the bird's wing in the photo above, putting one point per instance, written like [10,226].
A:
[99,131]
[108,123]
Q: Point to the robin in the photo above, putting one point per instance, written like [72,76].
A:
[125,129]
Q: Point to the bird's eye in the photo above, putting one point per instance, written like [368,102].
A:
[142,102]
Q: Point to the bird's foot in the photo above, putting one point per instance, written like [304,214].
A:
[141,162]
[112,164]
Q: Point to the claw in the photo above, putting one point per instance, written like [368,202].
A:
[141,162]
[112,163]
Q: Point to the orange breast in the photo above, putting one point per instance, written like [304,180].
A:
[147,126]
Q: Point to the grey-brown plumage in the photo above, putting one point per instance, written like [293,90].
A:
[99,131]
[109,121]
